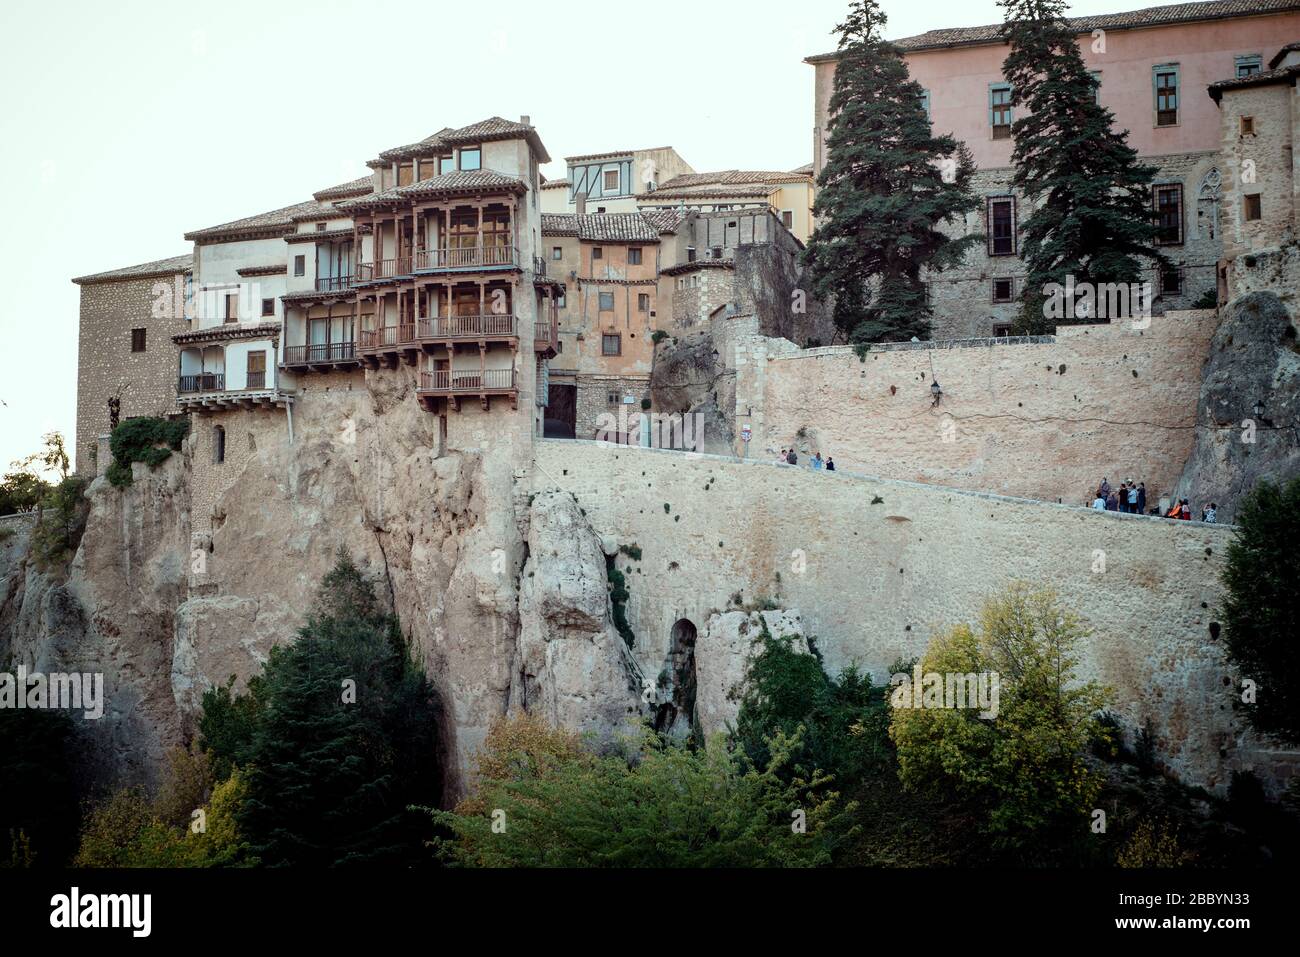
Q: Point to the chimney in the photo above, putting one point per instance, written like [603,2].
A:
[526,120]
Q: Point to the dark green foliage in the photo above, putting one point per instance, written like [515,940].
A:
[21,491]
[1090,196]
[845,721]
[330,775]
[148,440]
[632,551]
[1144,749]
[62,521]
[618,596]
[888,187]
[1261,610]
[39,816]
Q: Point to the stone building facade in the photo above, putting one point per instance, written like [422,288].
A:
[124,348]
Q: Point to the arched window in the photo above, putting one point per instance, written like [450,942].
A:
[218,444]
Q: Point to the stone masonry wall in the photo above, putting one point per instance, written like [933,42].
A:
[1045,417]
[106,365]
[876,567]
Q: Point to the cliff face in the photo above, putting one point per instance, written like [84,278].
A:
[1253,358]
[448,536]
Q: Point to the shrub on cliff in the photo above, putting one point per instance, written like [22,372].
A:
[148,440]
[38,804]
[658,805]
[1261,610]
[1025,769]
[337,736]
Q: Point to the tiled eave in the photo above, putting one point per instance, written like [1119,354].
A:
[224,333]
[324,235]
[699,264]
[320,295]
[267,270]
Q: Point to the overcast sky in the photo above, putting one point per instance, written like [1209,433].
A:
[124,125]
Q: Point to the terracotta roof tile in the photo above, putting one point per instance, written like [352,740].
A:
[603,227]
[1286,74]
[457,181]
[273,223]
[356,187]
[159,267]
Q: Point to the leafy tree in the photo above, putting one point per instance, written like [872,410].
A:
[338,737]
[844,721]
[888,187]
[21,491]
[60,524]
[1091,204]
[38,801]
[661,805]
[1261,608]
[1025,769]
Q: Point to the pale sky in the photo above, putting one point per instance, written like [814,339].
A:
[124,125]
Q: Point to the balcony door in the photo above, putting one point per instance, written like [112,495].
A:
[256,370]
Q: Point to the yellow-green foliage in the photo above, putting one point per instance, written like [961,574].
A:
[1026,768]
[129,830]
[1153,844]
[542,801]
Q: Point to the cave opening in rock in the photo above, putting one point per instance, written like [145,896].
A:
[675,711]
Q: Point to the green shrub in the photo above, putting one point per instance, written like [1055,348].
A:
[148,440]
[60,523]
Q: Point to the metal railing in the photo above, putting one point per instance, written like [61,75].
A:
[320,352]
[468,327]
[203,382]
[467,380]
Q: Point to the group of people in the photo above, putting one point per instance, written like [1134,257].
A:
[816,463]
[1132,497]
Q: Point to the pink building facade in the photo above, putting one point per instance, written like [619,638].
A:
[1154,67]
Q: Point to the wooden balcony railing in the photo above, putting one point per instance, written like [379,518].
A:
[332,283]
[468,380]
[466,257]
[320,352]
[256,380]
[384,269]
[387,337]
[203,382]
[468,327]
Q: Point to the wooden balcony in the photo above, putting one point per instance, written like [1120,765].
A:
[203,382]
[406,341]
[467,258]
[453,385]
[333,283]
[489,327]
[546,337]
[320,356]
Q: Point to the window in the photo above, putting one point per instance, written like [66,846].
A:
[446,164]
[611,344]
[232,307]
[597,252]
[716,252]
[1171,281]
[787,218]
[1169,214]
[1096,85]
[471,158]
[1000,110]
[268,307]
[609,181]
[1003,290]
[690,254]
[559,301]
[321,227]
[137,340]
[1249,65]
[300,265]
[1247,126]
[925,102]
[634,255]
[606,302]
[218,444]
[1001,330]
[557,252]
[1166,87]
[643,302]
[1253,207]
[1002,226]
[256,371]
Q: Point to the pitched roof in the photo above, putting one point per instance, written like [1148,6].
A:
[457,181]
[159,267]
[666,220]
[728,182]
[356,187]
[805,170]
[277,222]
[555,183]
[1130,20]
[1286,74]
[430,145]
[493,128]
[605,227]
[1280,55]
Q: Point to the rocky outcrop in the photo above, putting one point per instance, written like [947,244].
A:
[690,376]
[570,664]
[722,655]
[1254,358]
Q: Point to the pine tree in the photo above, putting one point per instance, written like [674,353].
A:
[1092,215]
[888,187]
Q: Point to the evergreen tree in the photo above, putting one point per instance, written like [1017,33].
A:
[888,187]
[1261,611]
[1091,198]
[338,736]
